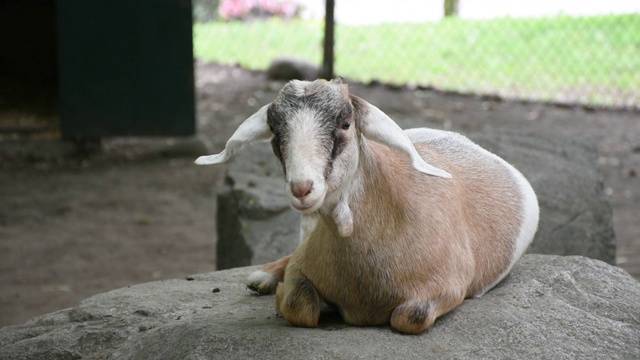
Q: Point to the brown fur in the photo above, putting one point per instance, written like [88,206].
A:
[403,231]
[420,244]
[386,271]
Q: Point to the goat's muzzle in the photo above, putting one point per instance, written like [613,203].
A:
[304,196]
[301,189]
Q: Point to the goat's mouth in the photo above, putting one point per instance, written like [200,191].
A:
[307,207]
[306,196]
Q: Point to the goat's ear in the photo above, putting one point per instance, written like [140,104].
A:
[253,129]
[379,127]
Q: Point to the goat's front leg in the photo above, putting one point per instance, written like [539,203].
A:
[264,281]
[297,299]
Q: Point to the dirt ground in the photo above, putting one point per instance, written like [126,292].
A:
[73,224]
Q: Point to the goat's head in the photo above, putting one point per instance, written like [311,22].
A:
[315,130]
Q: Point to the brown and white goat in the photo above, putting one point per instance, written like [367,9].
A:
[398,226]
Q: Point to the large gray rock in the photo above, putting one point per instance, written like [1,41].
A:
[292,68]
[549,307]
[255,222]
[256,225]
[575,216]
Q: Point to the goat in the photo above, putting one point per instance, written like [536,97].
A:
[398,227]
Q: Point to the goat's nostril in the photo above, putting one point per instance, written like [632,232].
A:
[301,189]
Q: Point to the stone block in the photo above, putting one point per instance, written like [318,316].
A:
[549,307]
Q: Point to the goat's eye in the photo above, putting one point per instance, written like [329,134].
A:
[345,125]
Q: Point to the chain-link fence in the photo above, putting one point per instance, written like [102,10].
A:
[565,51]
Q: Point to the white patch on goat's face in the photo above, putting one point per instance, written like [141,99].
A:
[305,160]
[314,136]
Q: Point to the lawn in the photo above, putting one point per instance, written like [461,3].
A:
[593,60]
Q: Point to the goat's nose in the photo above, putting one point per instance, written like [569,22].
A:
[301,189]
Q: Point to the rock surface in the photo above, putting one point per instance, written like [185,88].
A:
[549,307]
[256,224]
[292,68]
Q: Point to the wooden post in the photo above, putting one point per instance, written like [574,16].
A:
[329,32]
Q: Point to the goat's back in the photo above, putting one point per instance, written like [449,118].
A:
[497,202]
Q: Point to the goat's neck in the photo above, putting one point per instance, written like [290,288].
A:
[353,185]
[384,177]
[371,178]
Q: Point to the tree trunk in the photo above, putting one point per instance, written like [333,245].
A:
[451,7]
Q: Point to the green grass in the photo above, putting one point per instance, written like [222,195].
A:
[593,60]
[255,44]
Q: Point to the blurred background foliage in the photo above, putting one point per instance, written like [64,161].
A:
[565,51]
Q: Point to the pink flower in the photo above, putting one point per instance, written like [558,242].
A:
[244,9]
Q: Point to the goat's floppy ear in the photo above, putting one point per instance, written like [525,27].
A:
[377,126]
[253,129]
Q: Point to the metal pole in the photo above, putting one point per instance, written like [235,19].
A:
[329,32]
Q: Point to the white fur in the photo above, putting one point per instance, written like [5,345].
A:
[381,128]
[531,215]
[425,135]
[302,164]
[343,218]
[253,129]
[261,277]
[308,222]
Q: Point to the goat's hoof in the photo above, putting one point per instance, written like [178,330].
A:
[262,282]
